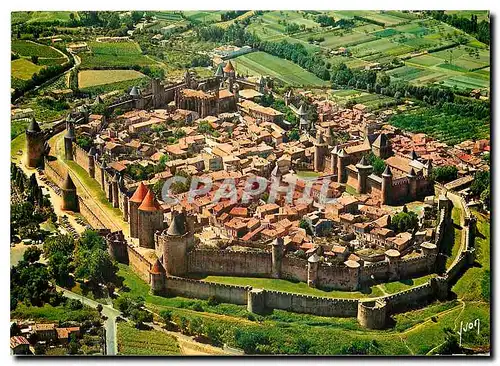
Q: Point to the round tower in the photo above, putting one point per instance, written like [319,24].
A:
[277,256]
[91,162]
[157,278]
[69,137]
[176,241]
[256,301]
[320,149]
[341,166]
[134,203]
[393,258]
[364,170]
[303,122]
[372,314]
[333,160]
[150,220]
[312,270]
[427,168]
[386,185]
[412,188]
[35,141]
[236,92]
[69,197]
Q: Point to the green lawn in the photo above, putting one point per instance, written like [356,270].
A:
[457,236]
[288,286]
[135,342]
[89,78]
[307,174]
[397,286]
[474,284]
[261,63]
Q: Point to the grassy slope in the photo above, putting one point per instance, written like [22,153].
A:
[132,341]
[287,286]
[23,69]
[51,313]
[261,63]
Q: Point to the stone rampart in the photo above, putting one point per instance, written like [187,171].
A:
[222,262]
[139,264]
[81,157]
[203,290]
[90,215]
[322,306]
[294,268]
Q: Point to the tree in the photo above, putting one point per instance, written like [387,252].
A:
[60,267]
[99,308]
[377,163]
[404,221]
[34,59]
[166,316]
[63,244]
[32,254]
[294,135]
[444,174]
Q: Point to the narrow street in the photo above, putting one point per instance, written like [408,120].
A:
[109,323]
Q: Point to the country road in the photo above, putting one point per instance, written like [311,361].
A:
[109,324]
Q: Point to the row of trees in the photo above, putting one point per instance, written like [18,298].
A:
[479,30]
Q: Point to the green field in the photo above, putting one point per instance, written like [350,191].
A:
[89,78]
[28,49]
[114,55]
[41,16]
[372,101]
[135,342]
[203,16]
[23,69]
[261,63]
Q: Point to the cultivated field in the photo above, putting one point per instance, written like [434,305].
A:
[132,341]
[425,45]
[41,16]
[372,101]
[23,69]
[114,55]
[89,78]
[261,63]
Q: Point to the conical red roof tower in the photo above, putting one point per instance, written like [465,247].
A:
[149,203]
[139,193]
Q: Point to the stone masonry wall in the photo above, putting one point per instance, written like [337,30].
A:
[139,264]
[203,290]
[81,158]
[90,216]
[229,263]
[293,268]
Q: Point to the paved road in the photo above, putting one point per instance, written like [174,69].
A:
[109,324]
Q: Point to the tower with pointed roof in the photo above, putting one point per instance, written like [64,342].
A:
[69,138]
[412,186]
[150,220]
[333,161]
[386,186]
[91,161]
[35,144]
[381,147]
[114,186]
[69,197]
[174,242]
[133,208]
[157,277]
[320,152]
[342,162]
[364,170]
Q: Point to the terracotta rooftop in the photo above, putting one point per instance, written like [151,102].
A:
[149,203]
[157,268]
[139,193]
